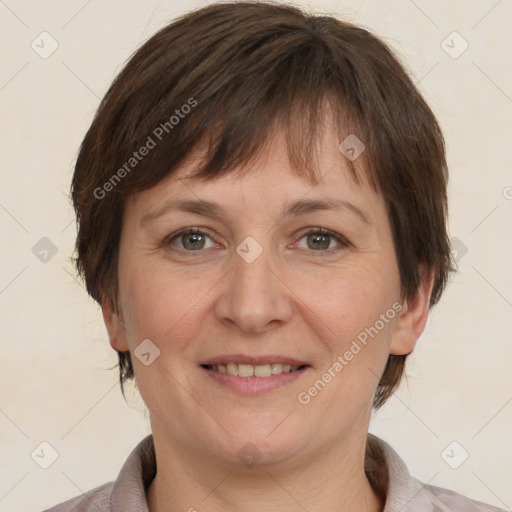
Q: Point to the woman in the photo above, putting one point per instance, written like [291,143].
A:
[261,202]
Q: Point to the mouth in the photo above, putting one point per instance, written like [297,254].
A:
[251,375]
[249,370]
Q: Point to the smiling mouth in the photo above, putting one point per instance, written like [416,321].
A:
[249,370]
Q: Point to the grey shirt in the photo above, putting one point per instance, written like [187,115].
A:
[385,469]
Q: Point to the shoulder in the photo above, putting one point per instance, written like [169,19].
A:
[389,476]
[126,493]
[95,500]
[448,500]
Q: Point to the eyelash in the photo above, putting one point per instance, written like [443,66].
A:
[343,242]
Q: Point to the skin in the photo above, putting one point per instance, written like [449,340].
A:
[295,300]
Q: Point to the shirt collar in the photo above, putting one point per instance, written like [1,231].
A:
[385,470]
[129,490]
[389,476]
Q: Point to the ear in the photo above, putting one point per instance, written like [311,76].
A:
[413,317]
[114,325]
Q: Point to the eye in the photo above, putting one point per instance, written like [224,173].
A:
[317,239]
[190,239]
[320,239]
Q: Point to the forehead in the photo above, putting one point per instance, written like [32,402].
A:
[285,162]
[267,178]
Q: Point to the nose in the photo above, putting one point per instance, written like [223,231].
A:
[255,296]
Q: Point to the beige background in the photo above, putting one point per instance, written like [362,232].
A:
[55,385]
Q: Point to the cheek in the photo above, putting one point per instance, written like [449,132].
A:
[354,319]
[348,302]
[160,303]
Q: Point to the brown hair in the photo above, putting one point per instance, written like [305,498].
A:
[232,74]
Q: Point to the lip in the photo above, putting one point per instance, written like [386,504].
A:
[253,360]
[255,386]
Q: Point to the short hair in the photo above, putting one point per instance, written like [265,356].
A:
[232,74]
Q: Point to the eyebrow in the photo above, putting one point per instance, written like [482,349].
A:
[296,208]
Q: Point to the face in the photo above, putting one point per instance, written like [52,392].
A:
[252,283]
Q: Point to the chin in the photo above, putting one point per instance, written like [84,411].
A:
[259,442]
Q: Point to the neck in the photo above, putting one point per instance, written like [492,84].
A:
[332,480]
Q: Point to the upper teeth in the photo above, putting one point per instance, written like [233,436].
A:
[248,370]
